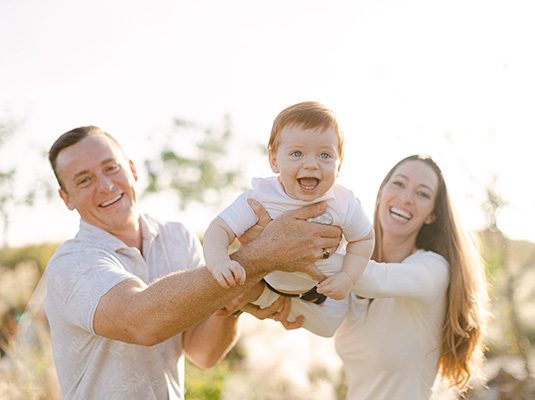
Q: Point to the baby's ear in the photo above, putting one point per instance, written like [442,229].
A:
[273,162]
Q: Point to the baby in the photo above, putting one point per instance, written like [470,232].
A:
[305,150]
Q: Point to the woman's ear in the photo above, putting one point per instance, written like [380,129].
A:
[430,219]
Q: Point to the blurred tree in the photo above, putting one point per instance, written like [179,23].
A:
[7,180]
[194,174]
[499,255]
[9,197]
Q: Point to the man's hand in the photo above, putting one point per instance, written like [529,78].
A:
[290,243]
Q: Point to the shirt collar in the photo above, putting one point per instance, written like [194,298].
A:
[102,237]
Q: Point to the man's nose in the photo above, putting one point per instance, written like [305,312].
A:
[105,183]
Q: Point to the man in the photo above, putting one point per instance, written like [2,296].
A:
[128,296]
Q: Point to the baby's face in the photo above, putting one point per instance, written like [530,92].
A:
[307,161]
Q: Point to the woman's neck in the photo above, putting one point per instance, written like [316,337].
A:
[395,250]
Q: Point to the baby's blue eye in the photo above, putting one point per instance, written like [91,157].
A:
[296,153]
[325,155]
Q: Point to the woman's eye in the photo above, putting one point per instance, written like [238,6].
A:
[296,153]
[424,195]
[398,183]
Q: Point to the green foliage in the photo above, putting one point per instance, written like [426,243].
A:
[9,198]
[198,174]
[205,384]
[40,253]
[208,384]
[7,179]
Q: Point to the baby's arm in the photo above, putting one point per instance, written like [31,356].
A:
[358,254]
[217,239]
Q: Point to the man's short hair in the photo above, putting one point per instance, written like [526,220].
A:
[71,138]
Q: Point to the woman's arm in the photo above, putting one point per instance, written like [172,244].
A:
[422,276]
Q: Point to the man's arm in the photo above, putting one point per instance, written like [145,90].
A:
[207,343]
[136,313]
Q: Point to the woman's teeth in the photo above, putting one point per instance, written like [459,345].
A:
[400,213]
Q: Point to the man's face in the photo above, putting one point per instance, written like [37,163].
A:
[98,182]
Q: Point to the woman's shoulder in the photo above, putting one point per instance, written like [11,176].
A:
[429,258]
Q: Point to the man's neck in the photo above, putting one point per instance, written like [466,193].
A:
[131,235]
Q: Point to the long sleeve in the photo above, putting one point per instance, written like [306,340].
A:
[422,276]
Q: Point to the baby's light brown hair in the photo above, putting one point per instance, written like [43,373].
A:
[307,115]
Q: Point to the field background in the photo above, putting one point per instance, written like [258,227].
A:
[268,361]
[191,89]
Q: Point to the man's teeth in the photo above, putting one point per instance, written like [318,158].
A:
[110,202]
[400,213]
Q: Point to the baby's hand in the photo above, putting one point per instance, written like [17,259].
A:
[229,273]
[336,286]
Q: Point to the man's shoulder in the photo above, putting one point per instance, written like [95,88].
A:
[167,228]
[159,224]
[77,248]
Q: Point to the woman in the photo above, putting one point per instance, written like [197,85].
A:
[419,307]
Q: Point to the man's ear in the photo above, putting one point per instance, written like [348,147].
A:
[273,163]
[133,169]
[66,199]
[430,219]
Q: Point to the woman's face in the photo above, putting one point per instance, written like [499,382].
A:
[407,200]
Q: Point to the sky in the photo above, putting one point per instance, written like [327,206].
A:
[451,79]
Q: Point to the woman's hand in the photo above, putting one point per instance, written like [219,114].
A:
[278,311]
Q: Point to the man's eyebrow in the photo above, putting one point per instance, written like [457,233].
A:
[85,171]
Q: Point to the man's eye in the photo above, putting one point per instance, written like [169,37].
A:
[112,168]
[296,153]
[84,181]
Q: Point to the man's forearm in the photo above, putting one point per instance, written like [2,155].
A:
[182,300]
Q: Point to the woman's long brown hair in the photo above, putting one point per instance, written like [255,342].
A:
[461,349]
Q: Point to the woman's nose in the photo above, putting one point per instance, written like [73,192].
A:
[407,196]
